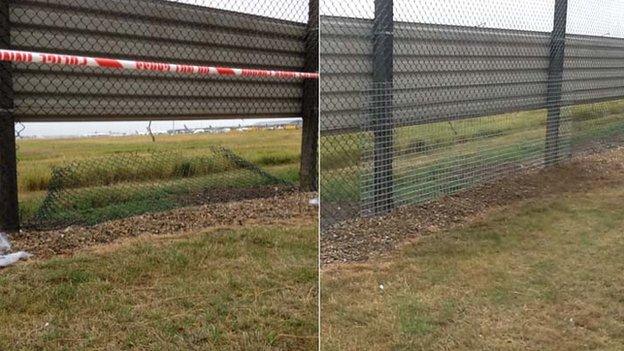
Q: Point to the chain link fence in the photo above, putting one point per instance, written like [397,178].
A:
[425,99]
[151,60]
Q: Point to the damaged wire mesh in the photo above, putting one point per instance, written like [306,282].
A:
[91,191]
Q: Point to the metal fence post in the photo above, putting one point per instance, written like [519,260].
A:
[382,118]
[555,78]
[309,143]
[9,209]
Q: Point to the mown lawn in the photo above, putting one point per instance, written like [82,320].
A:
[225,289]
[543,274]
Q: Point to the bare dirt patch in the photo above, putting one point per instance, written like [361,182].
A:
[360,239]
[283,209]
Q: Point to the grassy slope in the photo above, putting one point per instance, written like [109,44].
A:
[249,288]
[541,275]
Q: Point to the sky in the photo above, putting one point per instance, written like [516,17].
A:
[588,17]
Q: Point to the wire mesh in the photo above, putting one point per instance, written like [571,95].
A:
[425,99]
[257,35]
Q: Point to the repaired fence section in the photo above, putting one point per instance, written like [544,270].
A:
[471,93]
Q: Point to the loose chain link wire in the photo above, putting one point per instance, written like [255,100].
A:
[91,191]
[474,91]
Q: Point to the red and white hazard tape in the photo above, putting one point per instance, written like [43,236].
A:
[71,60]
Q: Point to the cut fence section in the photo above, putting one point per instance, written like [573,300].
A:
[88,192]
[147,60]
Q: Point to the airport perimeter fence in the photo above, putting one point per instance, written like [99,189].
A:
[425,99]
[149,60]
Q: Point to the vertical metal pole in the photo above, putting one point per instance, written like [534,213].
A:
[9,209]
[555,78]
[309,143]
[382,123]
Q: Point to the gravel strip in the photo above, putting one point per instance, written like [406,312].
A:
[278,210]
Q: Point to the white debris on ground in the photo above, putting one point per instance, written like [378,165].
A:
[7,259]
[315,202]
[5,245]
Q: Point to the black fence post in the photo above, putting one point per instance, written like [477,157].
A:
[309,143]
[382,118]
[555,78]
[9,209]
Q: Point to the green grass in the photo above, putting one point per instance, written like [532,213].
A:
[429,137]
[543,274]
[252,289]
